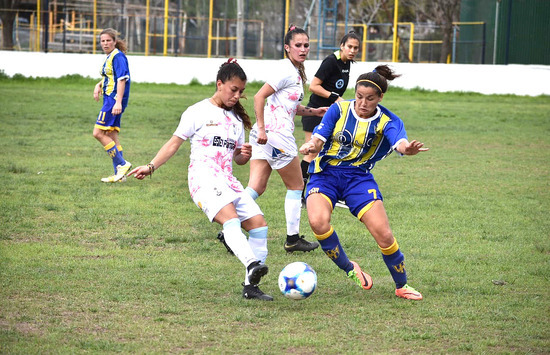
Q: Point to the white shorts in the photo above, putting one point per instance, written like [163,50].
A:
[213,197]
[277,157]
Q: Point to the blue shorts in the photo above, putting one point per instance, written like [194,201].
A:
[352,185]
[106,120]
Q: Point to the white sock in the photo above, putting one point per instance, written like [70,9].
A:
[257,239]
[236,240]
[252,193]
[293,210]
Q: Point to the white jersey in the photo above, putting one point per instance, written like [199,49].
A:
[281,108]
[214,134]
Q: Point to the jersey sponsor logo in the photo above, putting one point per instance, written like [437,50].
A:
[344,71]
[340,83]
[212,124]
[225,143]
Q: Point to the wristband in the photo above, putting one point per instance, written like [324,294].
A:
[151,167]
[333,96]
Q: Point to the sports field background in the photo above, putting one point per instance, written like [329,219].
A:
[87,267]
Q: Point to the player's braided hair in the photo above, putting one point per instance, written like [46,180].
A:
[377,79]
[228,71]
[119,43]
[293,30]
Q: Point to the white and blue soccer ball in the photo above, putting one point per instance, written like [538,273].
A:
[297,280]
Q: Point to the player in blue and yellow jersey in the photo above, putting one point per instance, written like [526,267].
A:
[115,88]
[352,136]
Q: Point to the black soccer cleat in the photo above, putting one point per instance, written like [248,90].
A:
[252,291]
[221,238]
[300,245]
[256,271]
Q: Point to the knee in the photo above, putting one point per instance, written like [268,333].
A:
[385,239]
[98,134]
[319,225]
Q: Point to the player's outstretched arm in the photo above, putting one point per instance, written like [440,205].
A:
[166,152]
[309,111]
[411,148]
[312,147]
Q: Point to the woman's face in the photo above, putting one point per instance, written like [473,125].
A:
[349,49]
[366,100]
[230,92]
[107,43]
[298,48]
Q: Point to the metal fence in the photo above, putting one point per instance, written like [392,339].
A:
[174,31]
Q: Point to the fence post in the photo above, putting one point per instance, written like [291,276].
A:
[210,14]
[395,51]
[165,36]
[94,39]
[38,15]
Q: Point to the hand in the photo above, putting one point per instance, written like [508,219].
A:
[97,92]
[117,109]
[320,111]
[306,148]
[414,147]
[246,151]
[262,136]
[140,172]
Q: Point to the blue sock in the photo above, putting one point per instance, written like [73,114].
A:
[114,153]
[330,243]
[395,261]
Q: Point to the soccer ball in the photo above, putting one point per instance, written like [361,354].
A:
[297,280]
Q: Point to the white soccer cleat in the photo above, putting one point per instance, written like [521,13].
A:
[120,176]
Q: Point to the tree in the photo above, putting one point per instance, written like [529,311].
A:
[443,13]
[7,16]
[366,11]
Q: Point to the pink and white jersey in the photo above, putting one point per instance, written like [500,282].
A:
[214,134]
[281,107]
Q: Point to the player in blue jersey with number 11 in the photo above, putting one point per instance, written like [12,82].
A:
[352,136]
[115,88]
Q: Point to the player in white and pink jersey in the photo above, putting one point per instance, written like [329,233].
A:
[215,127]
[272,138]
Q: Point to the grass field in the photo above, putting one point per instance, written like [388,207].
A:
[87,267]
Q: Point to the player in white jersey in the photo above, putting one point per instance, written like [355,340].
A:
[272,139]
[216,130]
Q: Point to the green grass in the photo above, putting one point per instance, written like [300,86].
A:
[136,268]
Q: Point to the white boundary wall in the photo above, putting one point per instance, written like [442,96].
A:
[531,80]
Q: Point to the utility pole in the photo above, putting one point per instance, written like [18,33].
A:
[240,29]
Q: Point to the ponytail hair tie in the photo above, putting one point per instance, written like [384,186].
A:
[232,60]
[291,28]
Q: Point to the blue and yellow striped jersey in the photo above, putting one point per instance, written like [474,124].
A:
[114,69]
[354,142]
